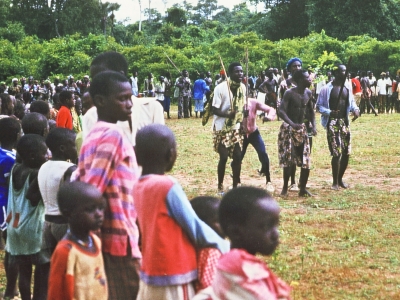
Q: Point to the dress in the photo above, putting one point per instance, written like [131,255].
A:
[241,275]
[338,133]
[76,274]
[171,232]
[7,160]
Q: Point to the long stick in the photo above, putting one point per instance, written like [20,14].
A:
[170,60]
[227,82]
[247,78]
[345,78]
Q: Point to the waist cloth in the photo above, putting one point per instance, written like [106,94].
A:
[293,147]
[338,135]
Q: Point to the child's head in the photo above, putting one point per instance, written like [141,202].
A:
[206,208]
[83,205]
[10,130]
[35,123]
[111,93]
[67,99]
[110,60]
[249,216]
[33,150]
[40,107]
[61,142]
[155,149]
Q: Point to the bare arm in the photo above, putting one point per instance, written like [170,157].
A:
[283,108]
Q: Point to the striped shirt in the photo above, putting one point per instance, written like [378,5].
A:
[107,161]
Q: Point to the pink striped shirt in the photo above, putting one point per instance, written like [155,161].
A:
[107,161]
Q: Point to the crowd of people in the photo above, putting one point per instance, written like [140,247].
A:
[85,197]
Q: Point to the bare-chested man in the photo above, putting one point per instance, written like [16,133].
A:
[293,142]
[335,118]
[270,88]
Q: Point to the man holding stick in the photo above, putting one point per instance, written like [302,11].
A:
[335,102]
[227,107]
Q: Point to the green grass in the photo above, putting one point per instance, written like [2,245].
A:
[336,245]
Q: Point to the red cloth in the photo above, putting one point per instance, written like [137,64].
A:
[207,266]
[356,86]
[64,118]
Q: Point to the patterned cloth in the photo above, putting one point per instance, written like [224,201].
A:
[338,134]
[108,162]
[228,139]
[293,147]
[207,266]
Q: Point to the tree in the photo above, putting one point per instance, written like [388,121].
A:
[204,10]
[176,15]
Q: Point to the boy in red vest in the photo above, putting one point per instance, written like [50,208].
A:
[170,229]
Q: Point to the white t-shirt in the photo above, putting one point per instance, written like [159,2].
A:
[381,84]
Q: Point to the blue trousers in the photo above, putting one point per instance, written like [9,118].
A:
[257,142]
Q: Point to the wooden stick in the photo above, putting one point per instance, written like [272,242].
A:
[172,62]
[227,82]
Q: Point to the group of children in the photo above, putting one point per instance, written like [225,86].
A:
[79,224]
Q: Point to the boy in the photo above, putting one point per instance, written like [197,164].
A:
[64,116]
[35,123]
[61,142]
[250,217]
[108,162]
[206,209]
[25,214]
[77,269]
[10,130]
[171,230]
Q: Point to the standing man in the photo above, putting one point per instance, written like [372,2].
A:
[270,87]
[200,88]
[382,86]
[227,130]
[183,84]
[134,82]
[209,82]
[335,118]
[293,142]
[366,94]
[167,93]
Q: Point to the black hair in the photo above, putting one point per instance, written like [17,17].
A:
[353,74]
[9,130]
[153,143]
[5,103]
[64,96]
[40,107]
[59,136]
[205,207]
[19,109]
[102,83]
[201,75]
[363,73]
[27,97]
[34,123]
[237,204]
[71,194]
[232,66]
[111,60]
[29,143]
[298,74]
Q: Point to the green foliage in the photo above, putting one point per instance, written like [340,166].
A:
[13,31]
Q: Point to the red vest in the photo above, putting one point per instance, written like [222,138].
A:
[166,248]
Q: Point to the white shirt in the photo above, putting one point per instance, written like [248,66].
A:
[381,84]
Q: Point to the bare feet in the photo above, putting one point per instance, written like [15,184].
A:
[305,193]
[335,187]
[344,185]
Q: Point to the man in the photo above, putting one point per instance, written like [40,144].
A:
[200,88]
[335,118]
[145,111]
[270,88]
[389,84]
[382,94]
[356,88]
[209,82]
[293,142]
[227,107]
[159,89]
[14,87]
[366,94]
[134,82]
[149,85]
[183,84]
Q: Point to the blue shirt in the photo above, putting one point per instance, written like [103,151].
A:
[199,88]
[323,104]
[7,160]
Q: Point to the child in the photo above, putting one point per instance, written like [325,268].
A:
[25,214]
[171,230]
[108,162]
[206,209]
[35,123]
[77,269]
[61,142]
[250,217]
[10,130]
[64,116]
